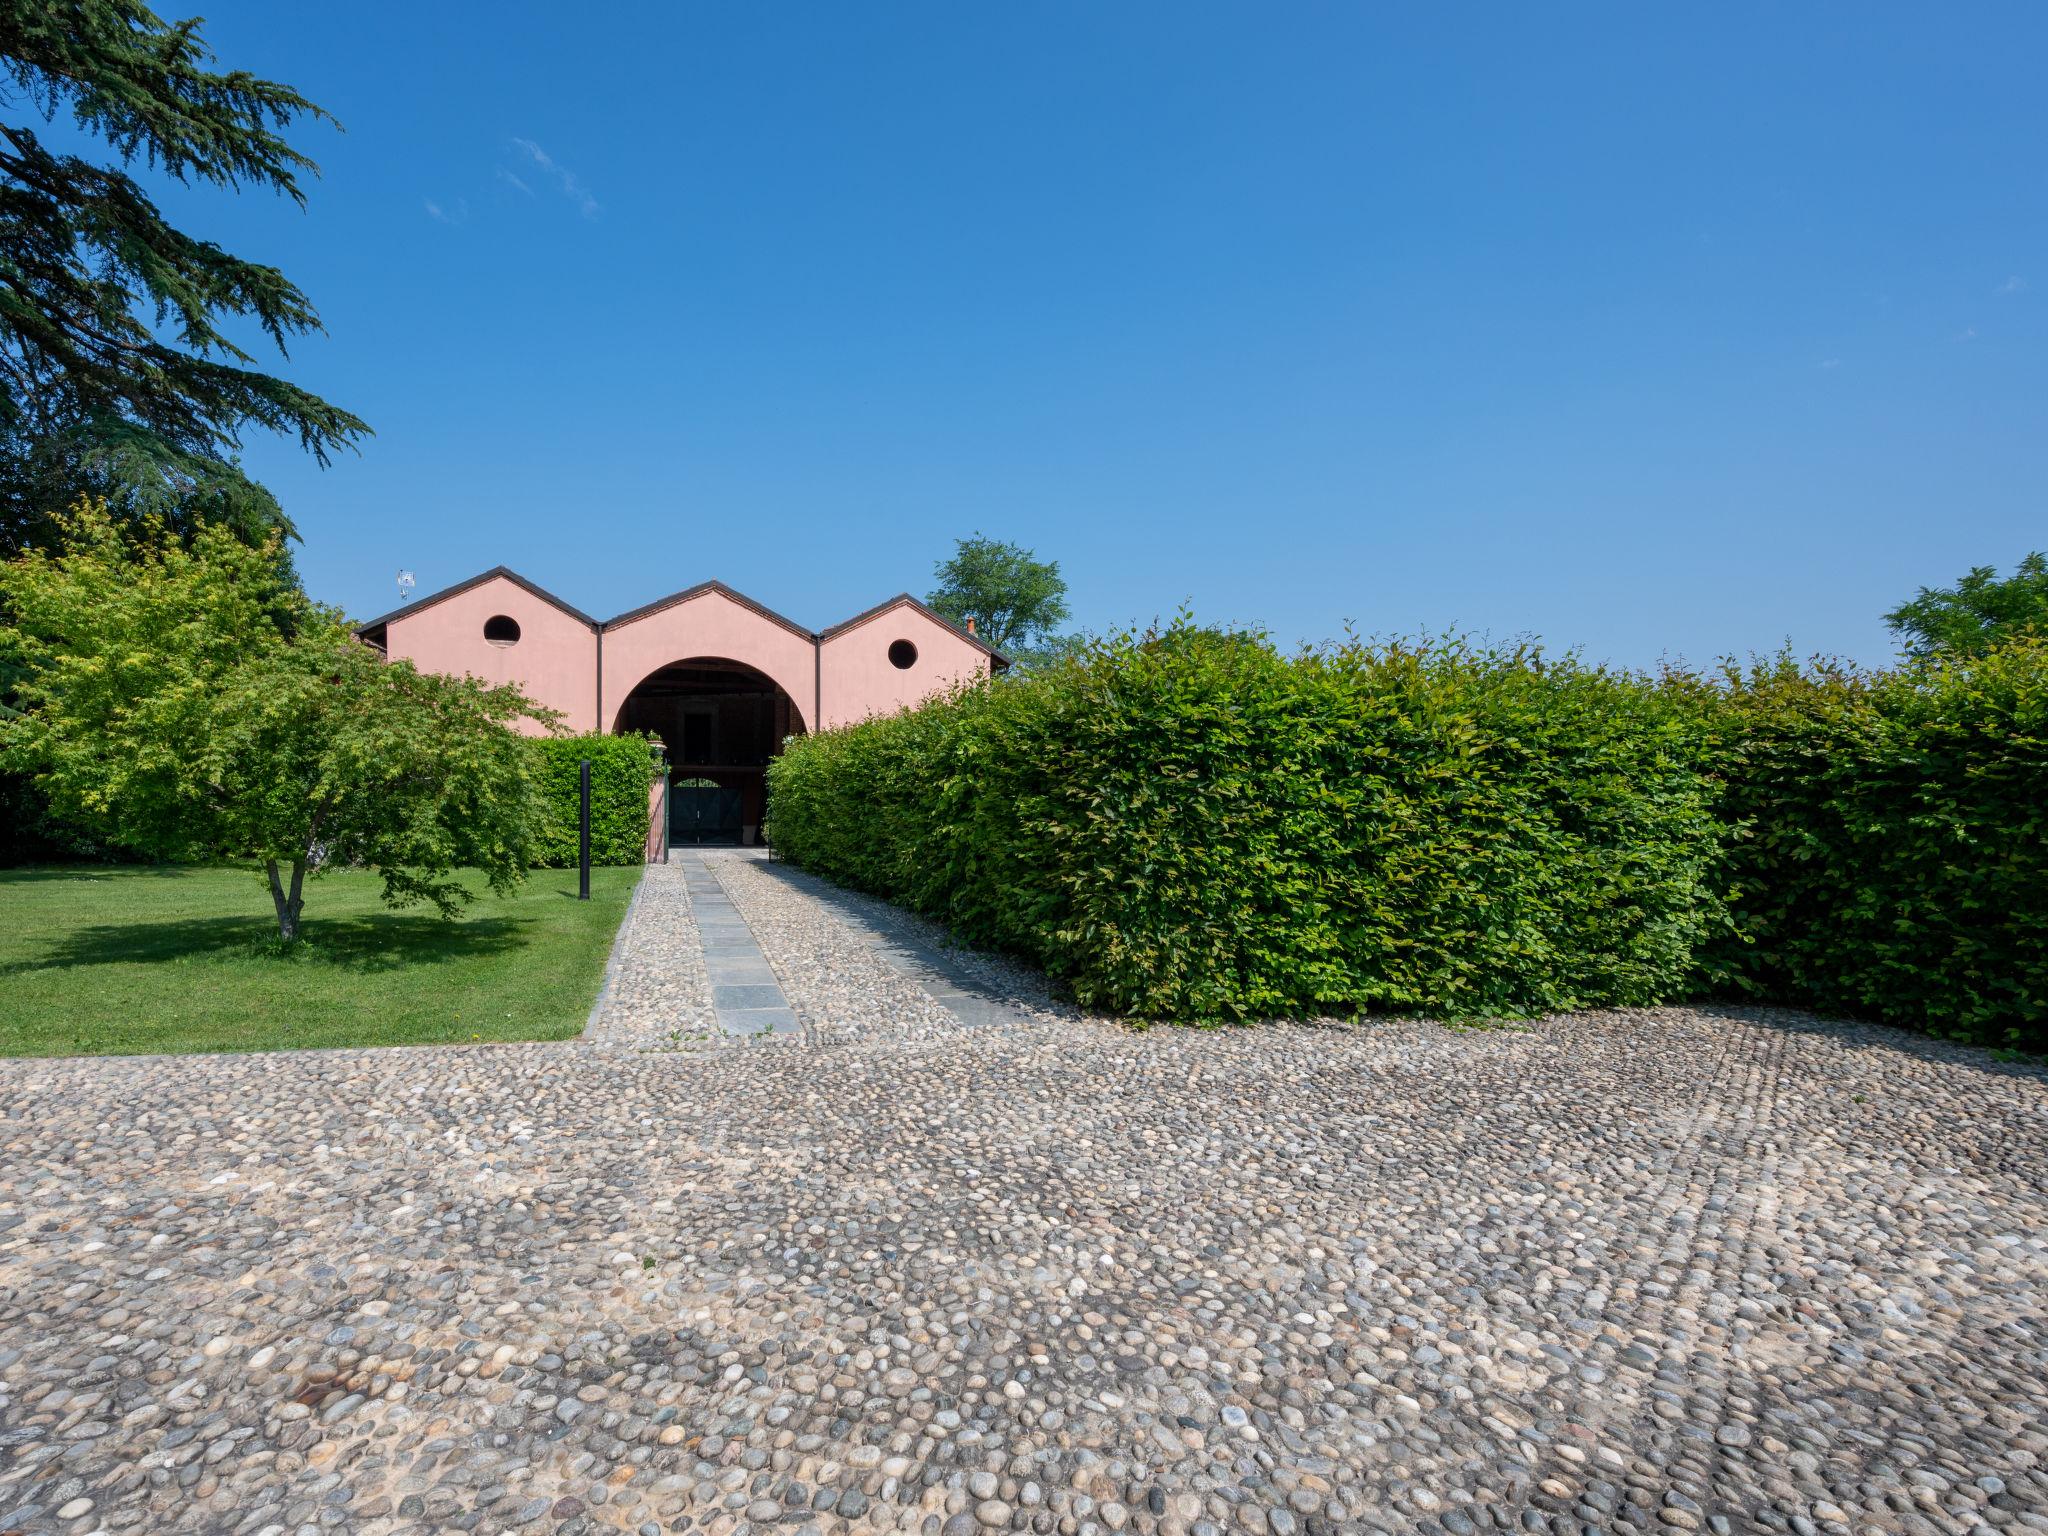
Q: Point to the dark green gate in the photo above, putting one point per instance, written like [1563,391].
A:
[700,811]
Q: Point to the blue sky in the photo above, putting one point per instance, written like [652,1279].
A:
[1648,330]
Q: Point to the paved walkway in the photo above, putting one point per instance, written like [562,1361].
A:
[746,999]
[948,1267]
[690,970]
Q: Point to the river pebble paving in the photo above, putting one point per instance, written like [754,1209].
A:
[1718,1270]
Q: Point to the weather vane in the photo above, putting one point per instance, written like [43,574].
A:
[405,586]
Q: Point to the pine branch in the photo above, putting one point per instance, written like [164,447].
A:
[110,315]
[144,85]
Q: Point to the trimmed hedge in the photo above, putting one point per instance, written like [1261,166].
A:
[1889,842]
[1190,825]
[621,769]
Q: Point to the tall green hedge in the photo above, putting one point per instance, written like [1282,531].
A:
[621,768]
[1889,842]
[1190,825]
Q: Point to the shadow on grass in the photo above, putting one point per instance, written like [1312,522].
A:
[380,941]
[38,874]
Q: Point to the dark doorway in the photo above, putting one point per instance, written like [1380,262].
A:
[719,722]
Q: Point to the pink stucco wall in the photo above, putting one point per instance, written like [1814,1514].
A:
[555,659]
[860,680]
[709,624]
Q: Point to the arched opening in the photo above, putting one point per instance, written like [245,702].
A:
[720,722]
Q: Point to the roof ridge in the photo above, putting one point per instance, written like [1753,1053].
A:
[631,615]
[922,607]
[645,610]
[478,580]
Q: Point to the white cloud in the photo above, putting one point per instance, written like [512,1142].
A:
[2014,284]
[1831,362]
[510,180]
[563,177]
[458,213]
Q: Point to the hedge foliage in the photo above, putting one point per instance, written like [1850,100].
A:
[1191,825]
[1889,842]
[621,768]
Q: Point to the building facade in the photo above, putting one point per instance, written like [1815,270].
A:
[720,679]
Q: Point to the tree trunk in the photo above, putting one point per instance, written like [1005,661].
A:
[288,903]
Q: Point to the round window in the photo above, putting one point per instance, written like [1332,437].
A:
[902,655]
[500,630]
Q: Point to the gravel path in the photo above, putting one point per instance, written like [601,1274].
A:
[845,990]
[1682,1270]
[656,994]
[823,920]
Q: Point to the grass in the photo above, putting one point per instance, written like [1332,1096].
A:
[99,960]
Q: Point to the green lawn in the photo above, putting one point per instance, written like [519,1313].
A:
[101,960]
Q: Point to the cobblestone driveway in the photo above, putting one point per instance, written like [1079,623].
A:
[914,1269]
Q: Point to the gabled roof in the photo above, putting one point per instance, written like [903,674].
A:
[902,599]
[700,590]
[476,581]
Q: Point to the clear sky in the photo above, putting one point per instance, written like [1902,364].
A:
[1652,330]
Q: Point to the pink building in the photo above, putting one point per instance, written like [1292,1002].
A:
[720,679]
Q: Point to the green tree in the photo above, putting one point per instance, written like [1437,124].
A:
[139,477]
[1977,614]
[1015,599]
[118,373]
[167,703]
[1049,651]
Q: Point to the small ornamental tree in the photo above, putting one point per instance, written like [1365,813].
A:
[189,703]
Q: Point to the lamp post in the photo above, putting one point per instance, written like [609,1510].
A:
[583,831]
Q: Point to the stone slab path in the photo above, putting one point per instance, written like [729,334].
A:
[746,998]
[722,947]
[909,1269]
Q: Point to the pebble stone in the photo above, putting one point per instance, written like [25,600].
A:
[1726,1270]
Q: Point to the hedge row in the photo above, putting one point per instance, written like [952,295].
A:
[1190,825]
[621,768]
[1193,826]
[1888,843]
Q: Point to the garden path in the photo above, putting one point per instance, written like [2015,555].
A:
[723,947]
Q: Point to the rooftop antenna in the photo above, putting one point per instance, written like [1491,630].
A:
[405,586]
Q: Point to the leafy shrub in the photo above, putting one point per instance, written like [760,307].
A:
[1191,825]
[188,701]
[621,768]
[1889,842]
